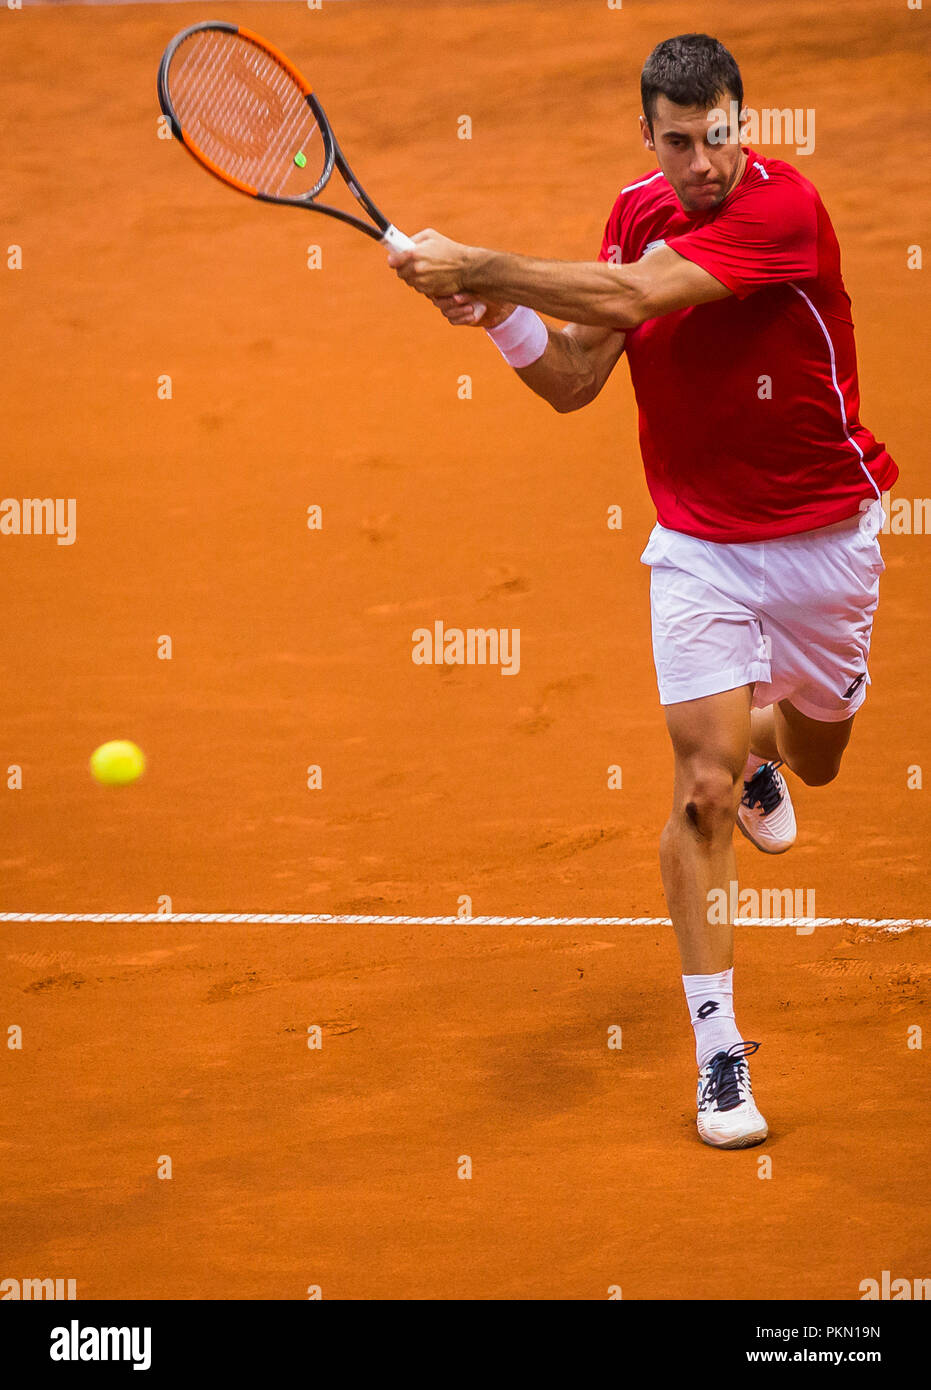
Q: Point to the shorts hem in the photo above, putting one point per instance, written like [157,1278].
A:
[677,692]
[826,716]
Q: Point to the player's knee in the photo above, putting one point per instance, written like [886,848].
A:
[816,772]
[710,801]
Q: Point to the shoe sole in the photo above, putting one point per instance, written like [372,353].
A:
[762,848]
[744,1141]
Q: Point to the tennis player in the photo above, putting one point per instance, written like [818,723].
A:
[719,277]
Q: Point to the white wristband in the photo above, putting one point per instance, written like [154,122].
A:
[521,339]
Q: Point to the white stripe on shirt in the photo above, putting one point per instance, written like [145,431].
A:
[631,186]
[840,395]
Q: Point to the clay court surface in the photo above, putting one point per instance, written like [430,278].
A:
[338,387]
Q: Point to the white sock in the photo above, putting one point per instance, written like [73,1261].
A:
[711,1007]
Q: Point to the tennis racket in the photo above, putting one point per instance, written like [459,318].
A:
[246,114]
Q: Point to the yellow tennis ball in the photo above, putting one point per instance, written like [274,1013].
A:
[117,763]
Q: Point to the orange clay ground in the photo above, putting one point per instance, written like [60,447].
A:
[337,387]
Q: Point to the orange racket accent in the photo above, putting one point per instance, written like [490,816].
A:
[215,168]
[275,53]
[248,116]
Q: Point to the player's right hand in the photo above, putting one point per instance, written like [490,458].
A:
[459,310]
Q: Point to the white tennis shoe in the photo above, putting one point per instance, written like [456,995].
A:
[766,815]
[727,1113]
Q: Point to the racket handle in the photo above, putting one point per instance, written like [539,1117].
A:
[397,241]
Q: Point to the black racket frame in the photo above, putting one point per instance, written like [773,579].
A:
[334,157]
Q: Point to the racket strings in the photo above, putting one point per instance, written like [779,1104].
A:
[246,113]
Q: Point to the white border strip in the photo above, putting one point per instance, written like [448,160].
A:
[311,919]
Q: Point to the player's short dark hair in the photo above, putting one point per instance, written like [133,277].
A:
[690,70]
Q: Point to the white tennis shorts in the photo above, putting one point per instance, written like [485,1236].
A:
[791,616]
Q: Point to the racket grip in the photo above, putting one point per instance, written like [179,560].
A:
[397,241]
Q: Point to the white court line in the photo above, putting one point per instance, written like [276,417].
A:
[309,919]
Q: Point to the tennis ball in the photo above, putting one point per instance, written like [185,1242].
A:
[117,763]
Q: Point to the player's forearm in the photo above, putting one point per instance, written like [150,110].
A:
[563,376]
[588,292]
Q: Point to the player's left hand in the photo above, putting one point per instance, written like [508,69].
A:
[465,311]
[436,265]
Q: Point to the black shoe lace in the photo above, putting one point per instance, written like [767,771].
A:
[763,789]
[728,1072]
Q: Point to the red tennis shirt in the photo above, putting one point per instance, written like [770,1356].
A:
[749,406]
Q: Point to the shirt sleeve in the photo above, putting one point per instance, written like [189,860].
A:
[769,234]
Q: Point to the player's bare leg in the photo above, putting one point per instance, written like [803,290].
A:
[763,734]
[811,748]
[710,739]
